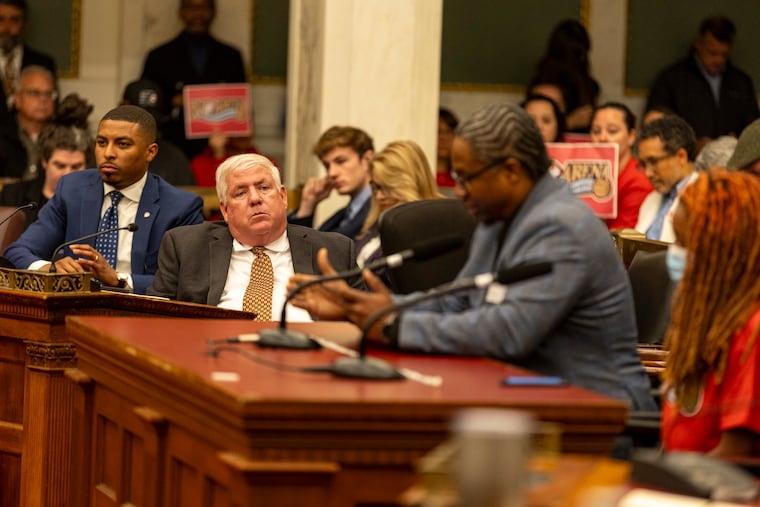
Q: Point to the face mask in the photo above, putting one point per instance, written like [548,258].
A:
[675,259]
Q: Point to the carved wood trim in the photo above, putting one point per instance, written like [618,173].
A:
[50,356]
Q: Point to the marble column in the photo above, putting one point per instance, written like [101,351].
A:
[373,64]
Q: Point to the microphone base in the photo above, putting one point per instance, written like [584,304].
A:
[279,338]
[370,368]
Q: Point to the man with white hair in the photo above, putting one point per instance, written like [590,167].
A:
[213,263]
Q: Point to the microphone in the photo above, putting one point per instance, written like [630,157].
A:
[281,337]
[129,227]
[377,369]
[31,207]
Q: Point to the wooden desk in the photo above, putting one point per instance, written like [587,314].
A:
[35,408]
[155,429]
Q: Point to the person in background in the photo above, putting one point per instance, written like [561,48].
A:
[220,148]
[576,322]
[170,162]
[655,113]
[14,54]
[548,117]
[705,88]
[211,263]
[667,148]
[34,103]
[716,153]
[120,191]
[346,153]
[63,148]
[399,173]
[613,122]
[746,156]
[565,68]
[193,57]
[447,123]
[711,400]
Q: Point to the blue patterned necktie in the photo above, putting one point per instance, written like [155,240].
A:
[108,244]
[655,230]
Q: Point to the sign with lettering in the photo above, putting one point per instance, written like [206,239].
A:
[591,169]
[217,108]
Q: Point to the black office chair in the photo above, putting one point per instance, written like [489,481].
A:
[410,224]
[652,294]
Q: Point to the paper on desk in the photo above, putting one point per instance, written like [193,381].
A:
[648,498]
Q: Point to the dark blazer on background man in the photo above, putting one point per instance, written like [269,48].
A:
[193,261]
[351,228]
[74,211]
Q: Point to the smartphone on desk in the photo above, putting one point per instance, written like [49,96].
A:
[533,381]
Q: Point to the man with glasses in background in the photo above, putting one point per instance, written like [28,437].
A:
[34,103]
[576,322]
[667,148]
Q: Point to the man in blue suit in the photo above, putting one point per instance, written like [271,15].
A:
[124,146]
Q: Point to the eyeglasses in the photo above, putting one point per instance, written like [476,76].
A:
[651,162]
[463,179]
[37,94]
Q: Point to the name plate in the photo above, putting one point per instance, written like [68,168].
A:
[39,281]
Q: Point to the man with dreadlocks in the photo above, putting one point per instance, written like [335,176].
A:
[576,322]
[712,377]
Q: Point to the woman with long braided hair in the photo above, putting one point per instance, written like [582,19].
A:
[712,377]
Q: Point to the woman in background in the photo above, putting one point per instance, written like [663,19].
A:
[399,173]
[613,122]
[548,117]
[711,395]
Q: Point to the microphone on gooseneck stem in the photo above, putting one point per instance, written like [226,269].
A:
[376,369]
[281,337]
[129,227]
[31,207]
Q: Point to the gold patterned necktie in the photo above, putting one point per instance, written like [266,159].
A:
[258,294]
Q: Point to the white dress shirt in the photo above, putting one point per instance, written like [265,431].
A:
[239,273]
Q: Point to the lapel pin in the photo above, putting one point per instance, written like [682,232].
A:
[146,214]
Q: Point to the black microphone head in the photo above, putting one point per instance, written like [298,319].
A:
[522,272]
[437,246]
[132,227]
[32,206]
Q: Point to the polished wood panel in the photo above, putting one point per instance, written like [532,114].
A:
[37,400]
[278,436]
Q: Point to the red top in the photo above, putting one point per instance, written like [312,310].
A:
[205,163]
[444,180]
[633,187]
[732,404]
